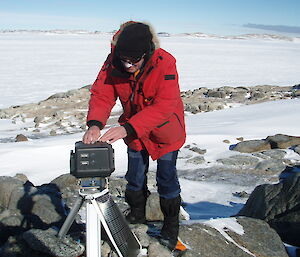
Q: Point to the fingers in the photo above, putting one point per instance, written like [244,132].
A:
[91,135]
[114,134]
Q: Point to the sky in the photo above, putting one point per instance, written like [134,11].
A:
[207,16]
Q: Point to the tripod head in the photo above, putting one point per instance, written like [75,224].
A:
[92,185]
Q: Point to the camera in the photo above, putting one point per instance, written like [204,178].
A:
[92,160]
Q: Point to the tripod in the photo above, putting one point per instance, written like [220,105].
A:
[102,212]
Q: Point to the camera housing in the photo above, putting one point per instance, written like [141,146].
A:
[92,160]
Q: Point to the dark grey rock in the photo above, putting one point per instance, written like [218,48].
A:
[46,241]
[242,194]
[251,146]
[283,141]
[17,247]
[279,205]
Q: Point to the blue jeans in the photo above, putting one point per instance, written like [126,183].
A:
[166,175]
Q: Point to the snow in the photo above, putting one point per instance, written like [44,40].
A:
[34,66]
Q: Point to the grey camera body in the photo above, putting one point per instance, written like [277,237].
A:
[92,160]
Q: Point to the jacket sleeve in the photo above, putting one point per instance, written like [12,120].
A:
[165,102]
[103,97]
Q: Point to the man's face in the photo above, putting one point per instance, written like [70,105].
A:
[132,65]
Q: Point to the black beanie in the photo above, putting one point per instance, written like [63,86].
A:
[134,40]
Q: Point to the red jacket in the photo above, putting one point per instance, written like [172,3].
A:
[151,103]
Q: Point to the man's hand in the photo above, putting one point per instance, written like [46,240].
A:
[91,135]
[113,134]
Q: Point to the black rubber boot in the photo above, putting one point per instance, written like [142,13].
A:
[137,203]
[169,232]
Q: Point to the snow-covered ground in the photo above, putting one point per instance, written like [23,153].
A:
[33,66]
[36,65]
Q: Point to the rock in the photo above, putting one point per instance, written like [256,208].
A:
[282,141]
[46,241]
[239,160]
[7,186]
[38,119]
[16,246]
[277,204]
[257,95]
[22,177]
[275,153]
[272,166]
[217,94]
[242,194]
[156,249]
[198,150]
[269,244]
[65,181]
[196,160]
[53,132]
[21,138]
[206,241]
[140,230]
[240,139]
[297,149]
[226,141]
[251,146]
[153,211]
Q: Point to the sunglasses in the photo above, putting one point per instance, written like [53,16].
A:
[129,61]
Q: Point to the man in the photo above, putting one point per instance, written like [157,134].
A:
[145,79]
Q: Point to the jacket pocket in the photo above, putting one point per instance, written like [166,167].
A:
[168,132]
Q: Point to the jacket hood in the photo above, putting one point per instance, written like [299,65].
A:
[115,38]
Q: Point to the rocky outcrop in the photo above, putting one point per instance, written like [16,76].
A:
[271,142]
[205,100]
[279,205]
[254,163]
[25,232]
[207,241]
[65,113]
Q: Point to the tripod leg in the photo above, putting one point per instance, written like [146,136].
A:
[70,218]
[93,231]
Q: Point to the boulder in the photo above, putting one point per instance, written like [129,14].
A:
[282,141]
[21,138]
[271,166]
[279,205]
[47,242]
[251,146]
[7,186]
[222,240]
